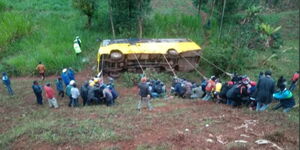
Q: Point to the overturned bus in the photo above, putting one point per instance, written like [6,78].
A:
[135,55]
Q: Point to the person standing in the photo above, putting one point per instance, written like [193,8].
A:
[42,69]
[77,45]
[264,91]
[37,89]
[68,91]
[60,87]
[294,80]
[144,93]
[6,82]
[75,95]
[65,77]
[71,74]
[84,90]
[50,96]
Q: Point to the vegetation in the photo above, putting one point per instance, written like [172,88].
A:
[256,36]
[88,7]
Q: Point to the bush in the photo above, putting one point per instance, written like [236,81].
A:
[130,79]
[229,59]
[2,6]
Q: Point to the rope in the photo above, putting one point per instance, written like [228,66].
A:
[170,66]
[139,64]
[229,74]
[215,66]
[102,64]
[194,67]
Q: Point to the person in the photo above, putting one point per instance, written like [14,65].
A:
[264,91]
[280,81]
[209,88]
[197,92]
[188,89]
[107,95]
[42,69]
[203,85]
[77,45]
[65,77]
[71,74]
[217,91]
[75,95]
[60,87]
[285,97]
[92,93]
[294,80]
[50,96]
[224,89]
[260,75]
[6,82]
[68,92]
[180,88]
[113,91]
[37,90]
[84,90]
[144,93]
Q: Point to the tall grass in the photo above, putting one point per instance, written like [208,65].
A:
[13,26]
[52,31]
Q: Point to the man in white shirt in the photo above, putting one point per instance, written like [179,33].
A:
[75,95]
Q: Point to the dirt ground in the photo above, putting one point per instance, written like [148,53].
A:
[176,124]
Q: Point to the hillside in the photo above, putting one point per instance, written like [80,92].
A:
[43,30]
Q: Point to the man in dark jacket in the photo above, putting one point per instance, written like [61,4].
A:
[60,87]
[84,92]
[37,89]
[6,82]
[264,91]
[144,93]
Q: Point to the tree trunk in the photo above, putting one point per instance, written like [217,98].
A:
[140,22]
[89,21]
[221,26]
[111,20]
[199,6]
[140,19]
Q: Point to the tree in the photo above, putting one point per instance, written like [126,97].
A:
[111,19]
[129,15]
[87,7]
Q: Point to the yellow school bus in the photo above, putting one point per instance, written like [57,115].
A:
[135,55]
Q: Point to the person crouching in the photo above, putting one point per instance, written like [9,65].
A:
[285,97]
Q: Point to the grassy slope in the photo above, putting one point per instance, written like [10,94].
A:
[54,27]
[25,122]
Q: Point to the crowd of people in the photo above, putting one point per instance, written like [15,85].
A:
[239,91]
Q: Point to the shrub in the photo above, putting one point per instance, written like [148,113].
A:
[130,79]
[228,59]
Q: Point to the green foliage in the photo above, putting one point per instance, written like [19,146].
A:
[2,6]
[126,13]
[88,7]
[130,79]
[230,58]
[13,27]
[164,77]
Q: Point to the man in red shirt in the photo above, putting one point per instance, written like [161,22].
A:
[211,85]
[50,96]
[294,80]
